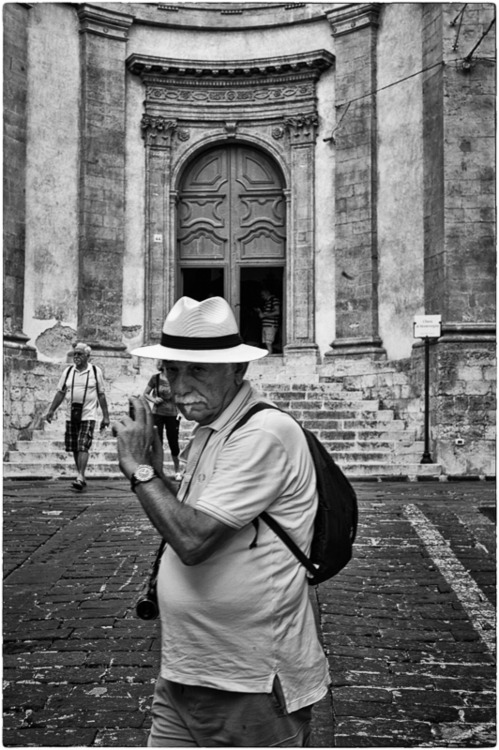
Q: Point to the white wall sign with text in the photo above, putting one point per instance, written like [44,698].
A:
[427,326]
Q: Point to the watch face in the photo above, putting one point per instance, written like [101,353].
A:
[144,473]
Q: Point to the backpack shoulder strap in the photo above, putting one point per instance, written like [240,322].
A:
[277,529]
[96,379]
[68,370]
[271,522]
[260,406]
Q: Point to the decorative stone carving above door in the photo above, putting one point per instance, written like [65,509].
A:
[268,104]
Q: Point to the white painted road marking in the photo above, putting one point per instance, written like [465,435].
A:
[474,602]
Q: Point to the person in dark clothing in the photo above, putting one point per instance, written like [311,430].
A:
[165,413]
[269,315]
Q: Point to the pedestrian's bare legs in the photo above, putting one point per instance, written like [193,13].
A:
[81,460]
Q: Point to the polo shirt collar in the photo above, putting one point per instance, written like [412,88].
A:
[82,372]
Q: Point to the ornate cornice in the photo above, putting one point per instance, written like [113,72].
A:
[351,18]
[228,92]
[158,69]
[104,22]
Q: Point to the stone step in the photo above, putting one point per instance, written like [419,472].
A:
[410,470]
[43,442]
[323,399]
[325,405]
[364,440]
[96,470]
[333,442]
[54,457]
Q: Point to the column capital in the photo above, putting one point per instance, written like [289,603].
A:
[302,128]
[157,130]
[353,18]
[103,22]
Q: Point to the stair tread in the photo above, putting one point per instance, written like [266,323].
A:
[364,438]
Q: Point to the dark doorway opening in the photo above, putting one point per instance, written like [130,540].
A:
[252,280]
[201,283]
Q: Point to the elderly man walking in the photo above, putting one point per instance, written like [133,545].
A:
[86,387]
[241,661]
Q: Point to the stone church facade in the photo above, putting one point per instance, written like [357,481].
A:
[341,154]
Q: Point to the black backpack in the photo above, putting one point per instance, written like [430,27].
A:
[337,513]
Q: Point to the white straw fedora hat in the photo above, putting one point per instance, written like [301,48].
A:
[201,332]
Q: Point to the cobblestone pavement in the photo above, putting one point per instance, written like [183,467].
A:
[408,625]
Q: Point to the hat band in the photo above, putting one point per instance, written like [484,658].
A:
[200,343]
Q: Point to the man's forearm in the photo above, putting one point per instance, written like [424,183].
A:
[193,535]
[104,407]
[56,402]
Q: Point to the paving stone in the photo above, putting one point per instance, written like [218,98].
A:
[409,664]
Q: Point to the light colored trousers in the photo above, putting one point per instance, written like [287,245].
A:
[193,716]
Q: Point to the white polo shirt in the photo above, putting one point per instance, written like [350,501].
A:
[75,385]
[242,616]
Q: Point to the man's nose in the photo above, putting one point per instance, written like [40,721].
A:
[182,384]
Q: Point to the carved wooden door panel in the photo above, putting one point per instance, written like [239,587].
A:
[231,216]
[203,210]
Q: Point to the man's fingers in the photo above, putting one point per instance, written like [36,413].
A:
[115,428]
[140,410]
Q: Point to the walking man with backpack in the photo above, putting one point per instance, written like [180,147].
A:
[85,384]
[241,660]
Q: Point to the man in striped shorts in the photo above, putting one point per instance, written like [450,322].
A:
[85,383]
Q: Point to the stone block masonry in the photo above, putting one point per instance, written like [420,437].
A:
[356,237]
[15,23]
[102,176]
[464,407]
[459,130]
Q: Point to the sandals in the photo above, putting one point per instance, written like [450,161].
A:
[78,485]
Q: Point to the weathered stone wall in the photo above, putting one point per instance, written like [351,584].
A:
[459,130]
[15,58]
[400,176]
[51,299]
[28,388]
[462,400]
[459,157]
[102,175]
[355,31]
[464,407]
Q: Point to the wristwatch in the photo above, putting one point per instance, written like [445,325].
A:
[143,473]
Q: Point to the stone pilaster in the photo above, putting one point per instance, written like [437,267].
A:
[102,180]
[459,179]
[157,132]
[354,28]
[300,308]
[459,230]
[15,67]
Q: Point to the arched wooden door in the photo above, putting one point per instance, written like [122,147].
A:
[231,232]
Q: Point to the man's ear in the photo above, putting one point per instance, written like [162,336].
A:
[240,371]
